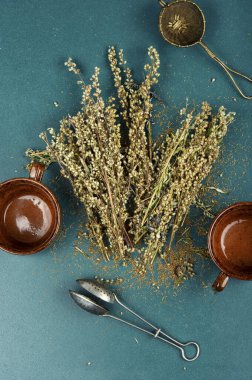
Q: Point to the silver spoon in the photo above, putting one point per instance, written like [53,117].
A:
[110,297]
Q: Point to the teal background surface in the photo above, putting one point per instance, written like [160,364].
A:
[43,335]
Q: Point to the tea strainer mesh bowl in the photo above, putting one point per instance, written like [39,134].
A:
[182,23]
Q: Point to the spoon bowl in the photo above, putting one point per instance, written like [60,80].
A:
[98,291]
[87,304]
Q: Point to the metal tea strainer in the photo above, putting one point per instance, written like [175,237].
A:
[182,24]
[96,307]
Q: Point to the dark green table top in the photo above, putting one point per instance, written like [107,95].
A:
[42,334]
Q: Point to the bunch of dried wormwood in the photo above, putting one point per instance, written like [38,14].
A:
[135,190]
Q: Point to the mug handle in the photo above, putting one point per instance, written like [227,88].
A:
[37,171]
[221,282]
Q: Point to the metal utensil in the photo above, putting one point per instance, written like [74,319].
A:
[106,295]
[182,24]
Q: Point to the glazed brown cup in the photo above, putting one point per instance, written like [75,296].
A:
[230,243]
[29,214]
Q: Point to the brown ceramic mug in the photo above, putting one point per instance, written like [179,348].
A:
[230,243]
[29,214]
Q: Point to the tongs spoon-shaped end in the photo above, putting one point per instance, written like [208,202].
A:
[97,290]
[87,304]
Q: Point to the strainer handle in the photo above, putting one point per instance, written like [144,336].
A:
[228,71]
[162,3]
[158,335]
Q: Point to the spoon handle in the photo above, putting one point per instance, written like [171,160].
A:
[160,333]
[170,340]
[134,313]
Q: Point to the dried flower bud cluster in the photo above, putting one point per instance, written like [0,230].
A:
[134,190]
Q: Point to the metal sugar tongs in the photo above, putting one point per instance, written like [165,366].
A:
[182,24]
[108,296]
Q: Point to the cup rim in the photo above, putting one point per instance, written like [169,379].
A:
[215,259]
[58,217]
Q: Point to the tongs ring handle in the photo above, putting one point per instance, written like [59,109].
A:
[183,352]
